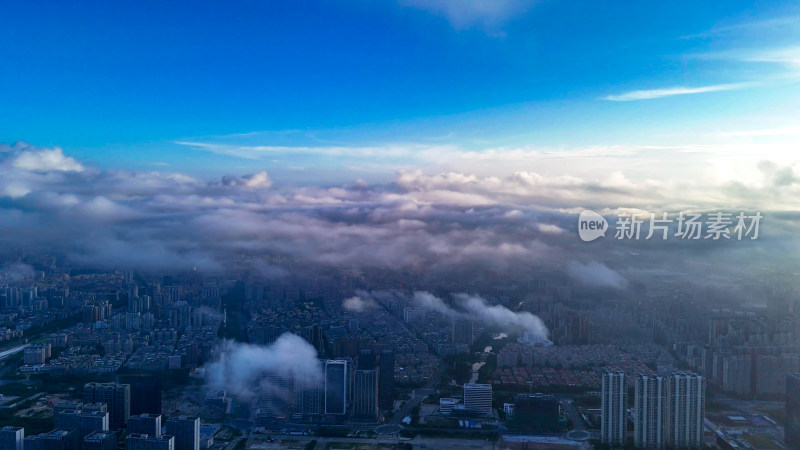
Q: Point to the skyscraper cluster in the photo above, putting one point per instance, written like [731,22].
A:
[116,396]
[668,410]
[95,426]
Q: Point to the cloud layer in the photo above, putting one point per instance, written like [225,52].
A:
[426,224]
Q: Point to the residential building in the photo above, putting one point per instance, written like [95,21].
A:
[186,431]
[649,411]
[613,410]
[12,438]
[792,427]
[149,424]
[116,396]
[137,441]
[100,440]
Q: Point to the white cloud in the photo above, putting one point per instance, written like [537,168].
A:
[786,55]
[477,308]
[359,303]
[423,223]
[548,228]
[488,15]
[782,131]
[258,180]
[244,368]
[650,94]
[270,151]
[46,160]
[594,273]
[779,25]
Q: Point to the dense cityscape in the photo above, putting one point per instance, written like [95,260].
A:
[101,360]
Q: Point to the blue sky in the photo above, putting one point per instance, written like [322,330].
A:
[306,88]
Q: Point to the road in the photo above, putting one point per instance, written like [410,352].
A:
[5,354]
[754,407]
[35,396]
[418,395]
[574,415]
[417,442]
[415,400]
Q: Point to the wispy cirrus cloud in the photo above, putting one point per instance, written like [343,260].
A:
[262,151]
[782,131]
[782,25]
[488,15]
[784,55]
[788,55]
[650,94]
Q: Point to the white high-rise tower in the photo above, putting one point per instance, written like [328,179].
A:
[613,410]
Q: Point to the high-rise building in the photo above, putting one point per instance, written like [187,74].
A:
[313,334]
[274,396]
[171,294]
[82,423]
[366,359]
[180,315]
[64,406]
[791,431]
[133,320]
[145,442]
[89,407]
[411,315]
[686,405]
[386,380]
[614,403]
[669,410]
[337,382]
[737,374]
[308,397]
[462,331]
[57,439]
[478,397]
[186,431]
[365,394]
[649,411]
[12,438]
[149,424]
[90,314]
[116,396]
[100,440]
[145,395]
[35,355]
